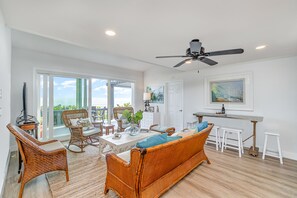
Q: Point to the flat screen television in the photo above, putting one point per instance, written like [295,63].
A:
[25,114]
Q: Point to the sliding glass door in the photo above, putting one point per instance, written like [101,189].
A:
[68,94]
[57,93]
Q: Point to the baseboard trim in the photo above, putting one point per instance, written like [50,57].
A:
[6,172]
[13,148]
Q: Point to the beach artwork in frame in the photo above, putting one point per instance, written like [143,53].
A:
[228,91]
[157,94]
[235,91]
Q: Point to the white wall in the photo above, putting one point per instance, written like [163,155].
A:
[5,71]
[25,62]
[274,98]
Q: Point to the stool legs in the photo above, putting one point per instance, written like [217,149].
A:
[217,139]
[239,141]
[265,146]
[280,156]
[239,144]
[280,151]
[223,142]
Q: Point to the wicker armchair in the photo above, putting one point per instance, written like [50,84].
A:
[117,114]
[38,157]
[79,137]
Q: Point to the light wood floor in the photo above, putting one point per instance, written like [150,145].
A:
[226,176]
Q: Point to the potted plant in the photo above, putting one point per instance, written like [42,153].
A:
[134,119]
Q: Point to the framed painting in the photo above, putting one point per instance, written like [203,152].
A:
[157,94]
[235,91]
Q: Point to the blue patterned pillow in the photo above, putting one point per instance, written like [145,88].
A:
[202,126]
[152,141]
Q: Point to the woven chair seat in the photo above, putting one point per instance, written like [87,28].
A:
[52,146]
[89,132]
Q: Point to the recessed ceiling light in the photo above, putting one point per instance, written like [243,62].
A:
[188,62]
[110,33]
[261,47]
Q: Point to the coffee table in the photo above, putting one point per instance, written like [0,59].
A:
[126,142]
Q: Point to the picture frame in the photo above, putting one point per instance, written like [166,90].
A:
[157,93]
[151,109]
[235,91]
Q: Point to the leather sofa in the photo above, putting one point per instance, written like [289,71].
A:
[152,171]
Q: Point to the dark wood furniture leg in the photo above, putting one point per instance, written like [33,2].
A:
[200,118]
[254,151]
[20,162]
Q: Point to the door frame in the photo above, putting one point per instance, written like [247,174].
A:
[167,99]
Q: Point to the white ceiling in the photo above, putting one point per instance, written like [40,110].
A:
[146,29]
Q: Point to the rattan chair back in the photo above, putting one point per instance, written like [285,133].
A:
[119,110]
[36,160]
[72,114]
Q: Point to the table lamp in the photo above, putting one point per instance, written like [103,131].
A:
[146,98]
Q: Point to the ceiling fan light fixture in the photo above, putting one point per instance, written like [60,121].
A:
[110,33]
[261,47]
[188,62]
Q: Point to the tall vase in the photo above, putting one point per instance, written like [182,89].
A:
[133,129]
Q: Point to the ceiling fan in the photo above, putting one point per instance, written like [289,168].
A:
[197,52]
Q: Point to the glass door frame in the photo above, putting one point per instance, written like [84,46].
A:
[48,100]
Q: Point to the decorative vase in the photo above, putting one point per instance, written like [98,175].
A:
[133,129]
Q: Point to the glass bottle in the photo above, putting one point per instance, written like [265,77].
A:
[223,109]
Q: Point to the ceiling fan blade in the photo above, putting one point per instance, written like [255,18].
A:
[177,56]
[208,61]
[224,52]
[182,62]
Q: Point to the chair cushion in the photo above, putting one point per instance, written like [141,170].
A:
[52,146]
[89,132]
[159,128]
[169,138]
[152,141]
[85,122]
[186,133]
[202,126]
[125,156]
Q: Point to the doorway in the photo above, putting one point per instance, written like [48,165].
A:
[174,105]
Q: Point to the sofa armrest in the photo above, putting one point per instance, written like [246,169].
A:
[125,172]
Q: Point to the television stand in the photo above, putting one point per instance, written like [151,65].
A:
[31,127]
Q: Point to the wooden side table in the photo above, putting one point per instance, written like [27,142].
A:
[32,129]
[107,127]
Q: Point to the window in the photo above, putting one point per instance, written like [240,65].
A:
[57,93]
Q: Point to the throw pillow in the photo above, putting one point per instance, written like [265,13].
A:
[86,123]
[202,126]
[152,141]
[74,122]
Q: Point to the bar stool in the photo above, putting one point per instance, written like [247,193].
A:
[271,153]
[225,144]
[217,136]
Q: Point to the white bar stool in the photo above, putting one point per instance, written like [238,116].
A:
[217,137]
[271,153]
[225,144]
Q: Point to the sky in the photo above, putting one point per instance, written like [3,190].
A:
[65,92]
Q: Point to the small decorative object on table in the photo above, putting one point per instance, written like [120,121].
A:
[151,109]
[117,135]
[146,98]
[223,109]
[134,119]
